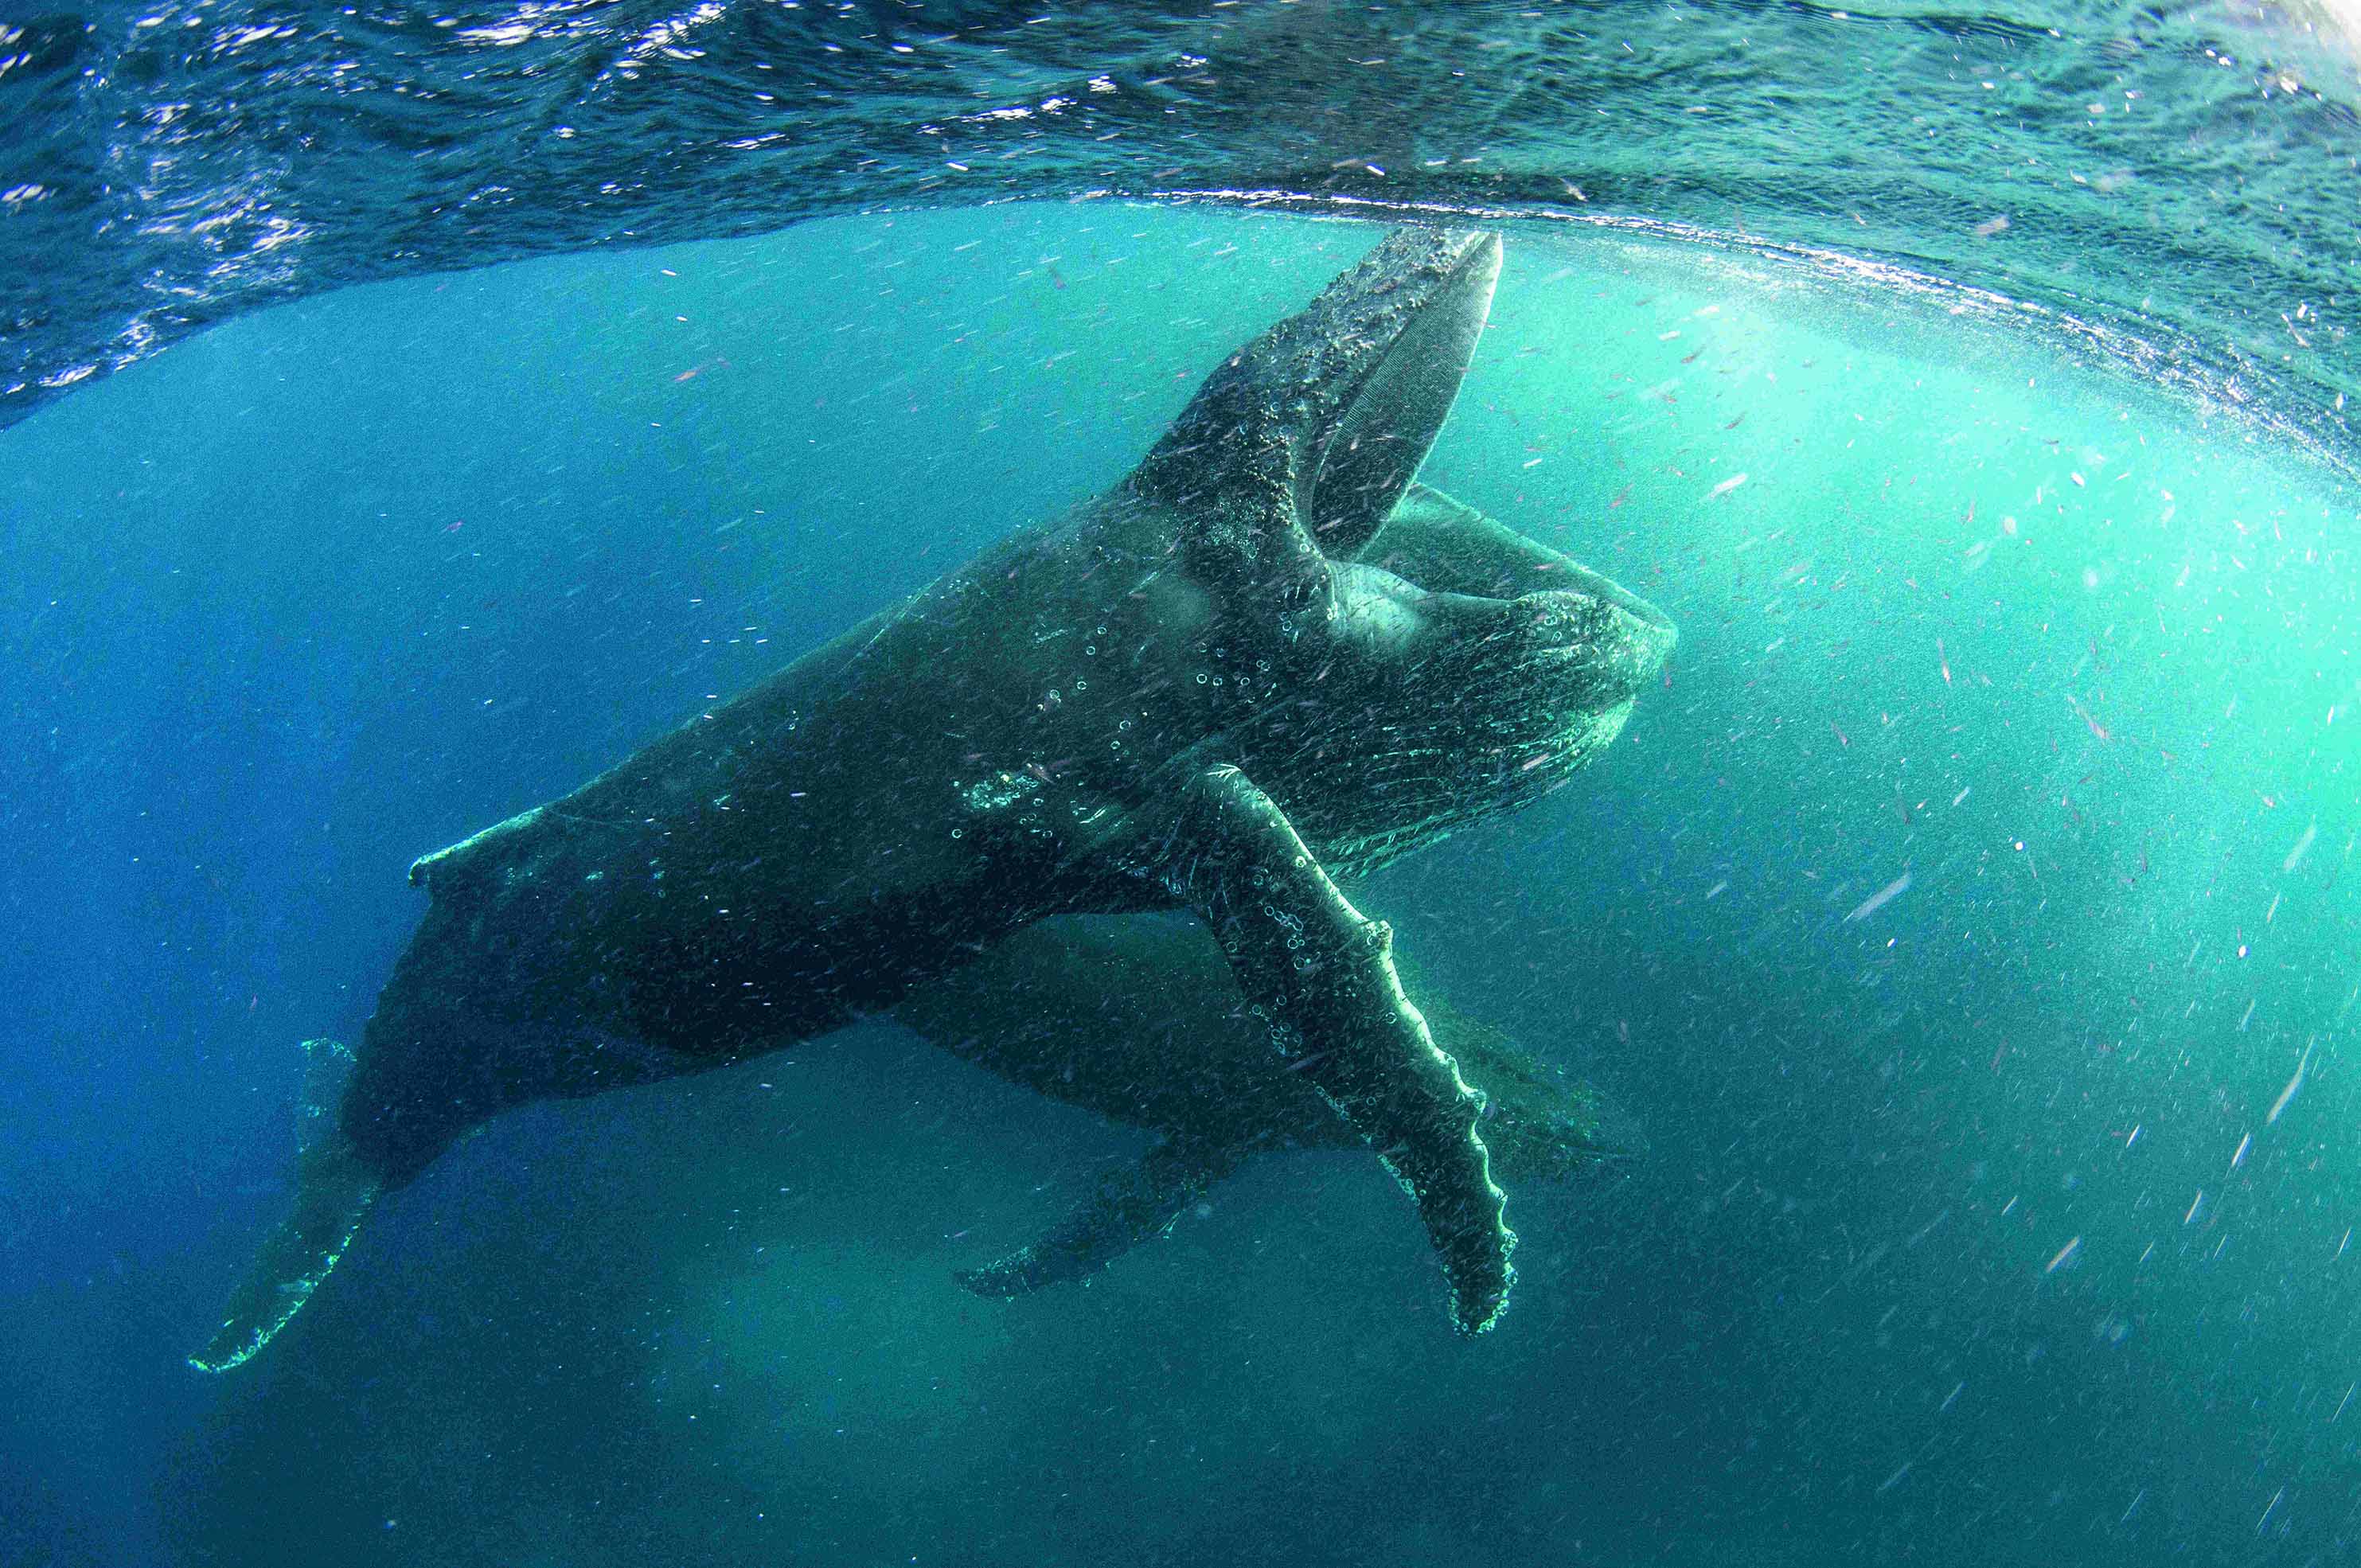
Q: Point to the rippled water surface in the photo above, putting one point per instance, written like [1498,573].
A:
[2181,176]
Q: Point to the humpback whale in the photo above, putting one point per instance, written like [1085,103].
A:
[1258,662]
[1137,1018]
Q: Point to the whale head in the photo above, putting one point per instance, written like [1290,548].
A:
[1403,664]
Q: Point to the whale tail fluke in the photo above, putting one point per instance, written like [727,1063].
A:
[335,1188]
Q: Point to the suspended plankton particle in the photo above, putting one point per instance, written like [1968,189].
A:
[1726,487]
[2068,1250]
[1879,899]
[2302,847]
[2244,1145]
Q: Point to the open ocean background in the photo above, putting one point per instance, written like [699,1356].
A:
[2007,1222]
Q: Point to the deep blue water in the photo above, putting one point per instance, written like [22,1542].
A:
[1981,1228]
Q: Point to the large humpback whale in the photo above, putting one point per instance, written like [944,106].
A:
[1251,664]
[1138,1018]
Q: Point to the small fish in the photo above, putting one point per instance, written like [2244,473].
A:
[1726,487]
[1620,497]
[2097,728]
[1733,424]
[2293,1084]
[1879,899]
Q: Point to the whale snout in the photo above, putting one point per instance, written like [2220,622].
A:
[1619,640]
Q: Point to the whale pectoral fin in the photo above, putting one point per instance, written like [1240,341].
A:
[1323,976]
[1134,1204]
[1313,431]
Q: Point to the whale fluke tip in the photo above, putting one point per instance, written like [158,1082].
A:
[335,1188]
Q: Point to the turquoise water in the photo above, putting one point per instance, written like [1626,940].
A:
[1999,1216]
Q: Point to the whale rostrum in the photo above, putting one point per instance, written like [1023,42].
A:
[1263,661]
